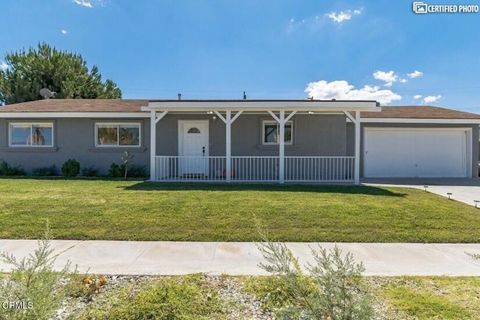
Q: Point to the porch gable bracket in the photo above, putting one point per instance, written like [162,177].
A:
[160,116]
[274,116]
[349,116]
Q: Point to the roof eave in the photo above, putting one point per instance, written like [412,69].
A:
[30,115]
[421,120]
[370,106]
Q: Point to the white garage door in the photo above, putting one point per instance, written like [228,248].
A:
[407,152]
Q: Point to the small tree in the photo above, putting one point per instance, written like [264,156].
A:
[333,288]
[126,157]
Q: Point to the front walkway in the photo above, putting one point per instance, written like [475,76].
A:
[463,190]
[234,258]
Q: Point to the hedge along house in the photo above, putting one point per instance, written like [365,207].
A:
[244,140]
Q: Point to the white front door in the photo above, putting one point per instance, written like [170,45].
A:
[193,148]
[416,152]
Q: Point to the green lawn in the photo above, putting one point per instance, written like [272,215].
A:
[135,210]
[432,297]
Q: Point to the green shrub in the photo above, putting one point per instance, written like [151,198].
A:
[170,298]
[71,168]
[45,171]
[7,170]
[115,171]
[137,171]
[90,171]
[118,171]
[333,288]
[34,283]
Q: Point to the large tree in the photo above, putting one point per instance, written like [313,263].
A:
[64,73]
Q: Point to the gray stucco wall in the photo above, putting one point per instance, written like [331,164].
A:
[73,138]
[313,135]
[475,138]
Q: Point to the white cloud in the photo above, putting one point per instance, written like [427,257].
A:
[63,31]
[341,89]
[389,77]
[430,99]
[90,3]
[403,80]
[3,66]
[415,74]
[84,3]
[417,96]
[342,16]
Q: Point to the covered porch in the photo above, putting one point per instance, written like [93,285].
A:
[211,140]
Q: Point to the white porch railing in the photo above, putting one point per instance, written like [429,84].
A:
[186,168]
[332,169]
[255,168]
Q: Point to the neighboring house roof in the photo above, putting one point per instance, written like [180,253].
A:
[126,105]
[420,112]
[77,105]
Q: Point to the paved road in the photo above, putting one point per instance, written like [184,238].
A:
[173,258]
[463,190]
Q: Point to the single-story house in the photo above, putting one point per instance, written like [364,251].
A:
[244,140]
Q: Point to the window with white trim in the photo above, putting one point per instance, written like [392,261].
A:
[271,132]
[111,134]
[31,134]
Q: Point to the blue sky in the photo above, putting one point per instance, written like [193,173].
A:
[270,49]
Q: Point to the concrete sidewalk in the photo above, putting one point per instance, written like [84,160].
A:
[234,258]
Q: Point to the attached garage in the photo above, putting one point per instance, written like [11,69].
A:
[417,152]
[419,142]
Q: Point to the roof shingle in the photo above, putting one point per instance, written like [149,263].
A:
[420,112]
[126,105]
[77,105]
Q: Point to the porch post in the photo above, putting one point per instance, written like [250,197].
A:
[153,144]
[228,120]
[357,147]
[228,145]
[281,149]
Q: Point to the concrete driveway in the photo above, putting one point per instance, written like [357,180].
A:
[463,190]
[242,258]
